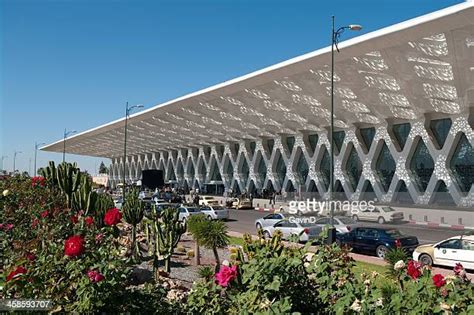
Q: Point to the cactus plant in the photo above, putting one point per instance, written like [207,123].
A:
[50,174]
[69,179]
[133,210]
[84,198]
[167,231]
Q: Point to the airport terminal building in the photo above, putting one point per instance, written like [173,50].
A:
[404,117]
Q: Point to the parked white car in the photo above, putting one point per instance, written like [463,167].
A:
[207,201]
[457,249]
[213,212]
[186,211]
[269,220]
[342,224]
[305,231]
[381,214]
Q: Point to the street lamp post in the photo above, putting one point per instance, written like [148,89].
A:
[335,34]
[127,113]
[66,134]
[37,145]
[3,158]
[14,160]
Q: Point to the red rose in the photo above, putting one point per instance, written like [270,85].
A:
[438,280]
[38,181]
[74,219]
[414,269]
[74,246]
[459,270]
[44,214]
[34,223]
[18,271]
[112,216]
[30,256]
[95,276]
[89,220]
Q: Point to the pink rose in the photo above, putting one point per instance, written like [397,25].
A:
[225,275]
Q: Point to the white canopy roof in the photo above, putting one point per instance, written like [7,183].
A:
[423,65]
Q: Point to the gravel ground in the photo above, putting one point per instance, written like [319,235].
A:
[182,267]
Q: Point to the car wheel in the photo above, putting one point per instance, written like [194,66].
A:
[425,260]
[209,217]
[266,235]
[259,226]
[381,220]
[355,218]
[381,251]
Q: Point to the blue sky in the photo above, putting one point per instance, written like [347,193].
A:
[74,63]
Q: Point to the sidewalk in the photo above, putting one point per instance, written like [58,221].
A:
[372,259]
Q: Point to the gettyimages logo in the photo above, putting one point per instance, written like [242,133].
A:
[323,207]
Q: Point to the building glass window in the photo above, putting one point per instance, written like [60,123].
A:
[191,169]
[171,175]
[253,145]
[367,135]
[462,164]
[245,170]
[368,192]
[442,196]
[353,168]
[325,169]
[270,144]
[215,174]
[401,132]
[422,165]
[440,129]
[262,170]
[281,168]
[290,142]
[385,167]
[402,195]
[339,140]
[302,170]
[313,142]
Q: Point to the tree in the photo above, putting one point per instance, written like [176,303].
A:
[103,169]
[210,234]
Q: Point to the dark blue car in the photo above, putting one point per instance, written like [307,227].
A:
[377,240]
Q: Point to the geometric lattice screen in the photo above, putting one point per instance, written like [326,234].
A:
[386,165]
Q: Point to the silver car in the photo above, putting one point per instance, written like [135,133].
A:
[186,211]
[213,212]
[342,224]
[381,214]
[269,220]
[305,231]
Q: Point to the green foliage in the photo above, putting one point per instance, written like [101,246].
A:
[133,210]
[393,256]
[206,272]
[210,234]
[84,198]
[69,180]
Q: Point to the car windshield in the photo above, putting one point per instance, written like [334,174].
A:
[218,208]
[387,209]
[395,233]
[193,209]
[346,221]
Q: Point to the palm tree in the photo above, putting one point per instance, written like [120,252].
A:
[210,234]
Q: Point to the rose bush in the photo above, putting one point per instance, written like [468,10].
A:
[51,252]
[269,278]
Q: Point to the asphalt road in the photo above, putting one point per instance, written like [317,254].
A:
[243,221]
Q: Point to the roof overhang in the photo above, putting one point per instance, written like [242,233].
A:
[423,65]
